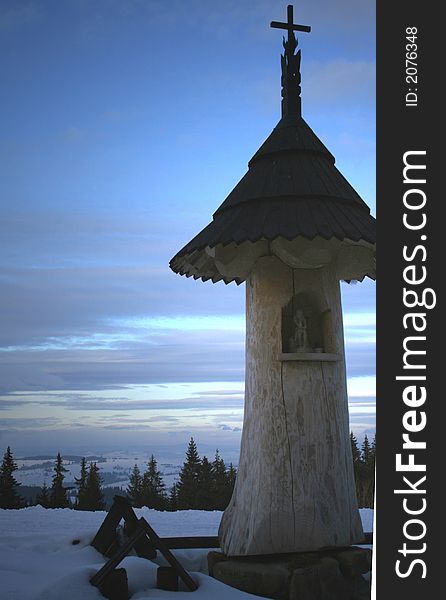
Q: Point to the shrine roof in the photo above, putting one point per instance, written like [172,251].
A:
[292,187]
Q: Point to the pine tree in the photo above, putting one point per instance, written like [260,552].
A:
[134,489]
[173,497]
[220,483]
[373,450]
[81,483]
[43,497]
[368,473]
[357,466]
[204,485]
[188,484]
[153,492]
[372,470]
[9,498]
[58,494]
[366,450]
[93,495]
[356,454]
[231,477]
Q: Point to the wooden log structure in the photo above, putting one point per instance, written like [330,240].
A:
[105,540]
[295,489]
[143,530]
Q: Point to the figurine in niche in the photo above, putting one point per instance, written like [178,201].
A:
[299,339]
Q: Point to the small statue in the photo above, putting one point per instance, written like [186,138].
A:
[299,339]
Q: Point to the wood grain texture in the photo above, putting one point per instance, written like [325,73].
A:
[295,487]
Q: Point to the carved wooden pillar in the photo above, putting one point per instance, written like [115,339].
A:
[295,487]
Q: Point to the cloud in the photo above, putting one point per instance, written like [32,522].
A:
[57,335]
[225,427]
[211,428]
[88,402]
[41,423]
[157,358]
[363,386]
[39,303]
[108,325]
[88,301]
[25,376]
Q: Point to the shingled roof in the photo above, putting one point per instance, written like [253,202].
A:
[292,189]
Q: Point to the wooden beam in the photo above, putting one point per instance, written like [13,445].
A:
[105,540]
[142,530]
[105,537]
[158,543]
[99,577]
[210,541]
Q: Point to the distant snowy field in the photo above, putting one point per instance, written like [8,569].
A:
[115,469]
[39,562]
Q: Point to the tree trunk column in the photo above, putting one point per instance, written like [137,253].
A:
[295,487]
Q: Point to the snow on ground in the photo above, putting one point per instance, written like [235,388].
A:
[38,560]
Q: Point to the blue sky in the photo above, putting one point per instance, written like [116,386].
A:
[124,126]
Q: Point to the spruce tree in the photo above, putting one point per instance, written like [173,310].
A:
[93,495]
[134,489]
[372,460]
[81,483]
[153,492]
[366,450]
[356,454]
[205,479]
[231,477]
[173,497]
[9,498]
[368,473]
[220,483]
[58,494]
[373,450]
[357,466]
[188,484]
[43,497]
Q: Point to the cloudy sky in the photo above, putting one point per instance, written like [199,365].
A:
[124,125]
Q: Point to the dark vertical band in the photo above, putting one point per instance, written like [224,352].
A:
[408,325]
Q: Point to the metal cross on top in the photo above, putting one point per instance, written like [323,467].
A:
[289,26]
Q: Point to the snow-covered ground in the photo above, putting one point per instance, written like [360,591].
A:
[38,560]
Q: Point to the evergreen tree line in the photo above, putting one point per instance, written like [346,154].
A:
[364,469]
[202,485]
[89,495]
[89,488]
